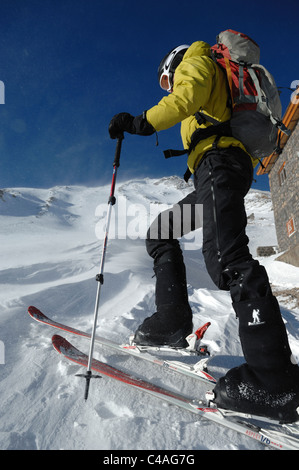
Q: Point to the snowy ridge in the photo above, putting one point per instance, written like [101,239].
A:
[50,254]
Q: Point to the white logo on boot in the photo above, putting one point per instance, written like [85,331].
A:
[255,318]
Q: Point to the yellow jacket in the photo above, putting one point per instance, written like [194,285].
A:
[199,85]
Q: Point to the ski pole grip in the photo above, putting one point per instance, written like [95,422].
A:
[117,151]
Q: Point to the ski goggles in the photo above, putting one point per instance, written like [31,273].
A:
[166,81]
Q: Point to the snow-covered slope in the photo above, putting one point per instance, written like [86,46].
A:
[51,242]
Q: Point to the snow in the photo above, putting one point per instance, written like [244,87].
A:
[51,242]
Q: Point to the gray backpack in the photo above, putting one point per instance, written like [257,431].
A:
[255,102]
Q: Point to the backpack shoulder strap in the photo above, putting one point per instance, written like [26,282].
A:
[229,77]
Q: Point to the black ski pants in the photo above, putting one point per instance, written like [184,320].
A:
[221,182]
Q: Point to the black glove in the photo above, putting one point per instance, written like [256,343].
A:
[125,122]
[119,123]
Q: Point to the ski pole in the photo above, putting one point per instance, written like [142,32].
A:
[100,277]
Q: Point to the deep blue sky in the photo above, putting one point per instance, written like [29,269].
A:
[69,65]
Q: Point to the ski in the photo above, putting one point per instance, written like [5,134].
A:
[272,434]
[197,370]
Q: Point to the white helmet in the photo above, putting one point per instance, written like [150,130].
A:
[168,65]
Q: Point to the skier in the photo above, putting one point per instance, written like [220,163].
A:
[267,383]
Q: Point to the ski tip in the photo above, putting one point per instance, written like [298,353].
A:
[33,310]
[60,343]
[65,348]
[36,313]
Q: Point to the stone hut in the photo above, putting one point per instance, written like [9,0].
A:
[282,168]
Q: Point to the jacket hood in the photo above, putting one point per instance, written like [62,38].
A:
[198,48]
